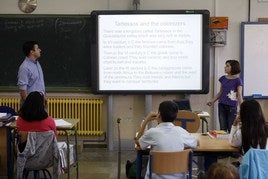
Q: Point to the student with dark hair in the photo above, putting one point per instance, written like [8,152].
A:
[37,144]
[165,136]
[33,116]
[30,74]
[222,171]
[249,129]
[230,95]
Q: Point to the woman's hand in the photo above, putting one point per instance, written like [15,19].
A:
[209,103]
[237,120]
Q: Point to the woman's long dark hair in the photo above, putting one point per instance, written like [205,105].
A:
[254,129]
[33,109]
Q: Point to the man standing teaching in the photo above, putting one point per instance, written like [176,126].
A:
[30,75]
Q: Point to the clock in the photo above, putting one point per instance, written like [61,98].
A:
[27,6]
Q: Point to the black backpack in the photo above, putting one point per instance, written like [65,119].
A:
[131,169]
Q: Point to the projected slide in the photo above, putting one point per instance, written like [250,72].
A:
[150,52]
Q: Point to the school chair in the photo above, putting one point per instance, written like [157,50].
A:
[162,163]
[188,120]
[40,153]
[184,104]
[254,164]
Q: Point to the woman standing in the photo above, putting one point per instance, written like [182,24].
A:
[229,96]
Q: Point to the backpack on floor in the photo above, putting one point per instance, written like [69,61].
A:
[131,169]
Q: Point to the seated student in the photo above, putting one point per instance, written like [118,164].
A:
[165,136]
[33,116]
[249,129]
[222,171]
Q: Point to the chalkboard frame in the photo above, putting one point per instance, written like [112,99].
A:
[253,61]
[67,86]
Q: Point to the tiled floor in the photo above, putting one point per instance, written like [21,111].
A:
[100,163]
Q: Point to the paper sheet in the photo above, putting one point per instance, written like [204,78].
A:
[62,123]
[2,114]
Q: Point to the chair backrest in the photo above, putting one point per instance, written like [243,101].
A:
[7,109]
[41,151]
[188,120]
[171,162]
[183,104]
[254,164]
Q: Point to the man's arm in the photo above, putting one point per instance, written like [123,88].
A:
[23,94]
[150,117]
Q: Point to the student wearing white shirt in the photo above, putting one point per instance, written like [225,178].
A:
[249,130]
[165,136]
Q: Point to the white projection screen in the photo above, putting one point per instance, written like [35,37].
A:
[254,59]
[150,51]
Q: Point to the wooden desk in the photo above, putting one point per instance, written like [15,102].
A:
[209,148]
[3,149]
[66,129]
[207,144]
[6,151]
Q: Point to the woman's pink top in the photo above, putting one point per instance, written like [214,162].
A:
[37,126]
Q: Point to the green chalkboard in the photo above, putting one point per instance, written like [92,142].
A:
[65,45]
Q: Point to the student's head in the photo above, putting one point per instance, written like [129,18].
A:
[235,66]
[222,171]
[254,129]
[31,48]
[168,111]
[33,108]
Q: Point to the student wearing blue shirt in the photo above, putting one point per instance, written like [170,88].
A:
[30,74]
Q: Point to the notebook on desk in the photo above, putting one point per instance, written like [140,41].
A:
[62,123]
[6,118]
[219,134]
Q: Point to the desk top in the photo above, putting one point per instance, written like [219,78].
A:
[203,114]
[72,122]
[207,144]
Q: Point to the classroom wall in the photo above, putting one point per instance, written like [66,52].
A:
[132,108]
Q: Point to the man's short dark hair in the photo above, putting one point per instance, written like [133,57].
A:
[28,46]
[168,111]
